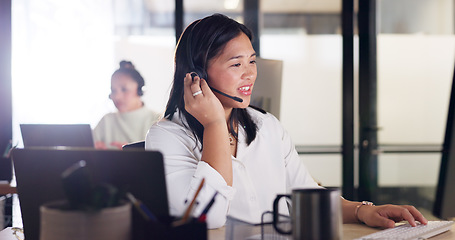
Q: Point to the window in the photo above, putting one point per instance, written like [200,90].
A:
[306,36]
[415,55]
[65,52]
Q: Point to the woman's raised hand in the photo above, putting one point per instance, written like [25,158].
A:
[200,101]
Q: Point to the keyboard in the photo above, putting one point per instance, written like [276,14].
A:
[406,231]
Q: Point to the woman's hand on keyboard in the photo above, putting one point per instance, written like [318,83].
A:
[385,216]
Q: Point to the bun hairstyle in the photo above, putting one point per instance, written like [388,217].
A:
[127,67]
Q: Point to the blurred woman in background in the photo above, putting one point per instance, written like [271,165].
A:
[132,120]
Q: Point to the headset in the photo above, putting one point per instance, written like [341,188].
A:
[140,91]
[200,71]
[140,84]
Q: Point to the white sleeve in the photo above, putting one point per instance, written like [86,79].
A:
[184,172]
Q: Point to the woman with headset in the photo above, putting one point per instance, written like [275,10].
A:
[133,119]
[244,155]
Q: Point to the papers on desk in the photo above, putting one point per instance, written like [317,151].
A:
[238,229]
[268,237]
[10,234]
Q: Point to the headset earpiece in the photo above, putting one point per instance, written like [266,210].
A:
[200,72]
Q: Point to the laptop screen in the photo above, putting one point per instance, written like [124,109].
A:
[50,135]
[38,176]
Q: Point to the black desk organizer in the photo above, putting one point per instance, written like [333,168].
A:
[149,230]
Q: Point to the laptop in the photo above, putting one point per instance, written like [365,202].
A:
[38,175]
[49,135]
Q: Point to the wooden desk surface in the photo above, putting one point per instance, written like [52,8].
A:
[6,188]
[350,231]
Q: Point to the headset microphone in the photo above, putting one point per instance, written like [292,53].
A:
[194,74]
[226,95]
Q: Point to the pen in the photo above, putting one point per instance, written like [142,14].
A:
[143,210]
[206,209]
[190,207]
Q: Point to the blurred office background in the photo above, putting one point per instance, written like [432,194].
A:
[64,52]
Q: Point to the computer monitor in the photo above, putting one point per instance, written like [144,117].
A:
[39,171]
[267,88]
[51,135]
[444,205]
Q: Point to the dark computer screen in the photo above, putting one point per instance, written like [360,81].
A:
[444,205]
[50,135]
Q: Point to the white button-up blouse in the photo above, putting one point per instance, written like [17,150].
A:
[269,166]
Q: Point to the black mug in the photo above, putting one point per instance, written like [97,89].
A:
[315,214]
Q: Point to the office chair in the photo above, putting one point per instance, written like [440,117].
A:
[134,146]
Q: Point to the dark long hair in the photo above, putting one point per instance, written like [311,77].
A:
[201,41]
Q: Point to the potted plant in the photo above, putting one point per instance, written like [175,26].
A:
[89,211]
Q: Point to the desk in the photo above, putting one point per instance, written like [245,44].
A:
[350,231]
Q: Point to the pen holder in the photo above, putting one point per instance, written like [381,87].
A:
[149,230]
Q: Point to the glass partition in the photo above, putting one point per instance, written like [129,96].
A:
[307,38]
[415,54]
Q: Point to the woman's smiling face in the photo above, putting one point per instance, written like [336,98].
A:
[234,72]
